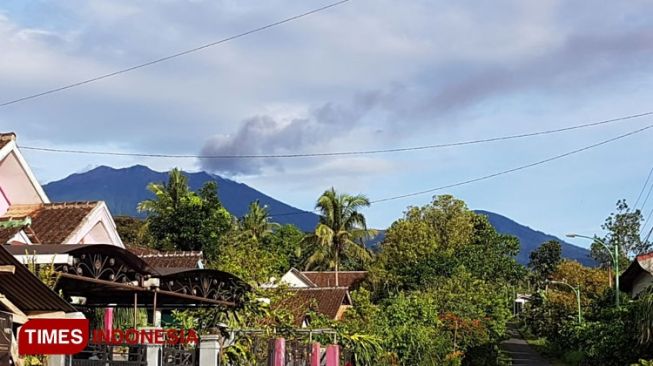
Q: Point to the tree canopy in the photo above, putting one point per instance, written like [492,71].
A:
[179,218]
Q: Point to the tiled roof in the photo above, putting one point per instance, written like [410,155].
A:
[52,223]
[171,259]
[7,233]
[323,300]
[5,138]
[349,279]
[140,250]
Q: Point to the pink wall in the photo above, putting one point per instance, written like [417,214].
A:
[4,202]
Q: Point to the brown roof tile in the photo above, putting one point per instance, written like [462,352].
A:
[52,223]
[323,300]
[5,138]
[349,279]
[7,233]
[169,259]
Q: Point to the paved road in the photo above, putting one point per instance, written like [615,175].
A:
[520,352]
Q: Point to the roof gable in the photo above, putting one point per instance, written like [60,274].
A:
[18,181]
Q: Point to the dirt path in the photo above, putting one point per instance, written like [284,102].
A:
[520,352]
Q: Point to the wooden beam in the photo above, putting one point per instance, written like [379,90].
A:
[10,269]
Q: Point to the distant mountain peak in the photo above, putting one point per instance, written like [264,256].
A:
[123,188]
[530,239]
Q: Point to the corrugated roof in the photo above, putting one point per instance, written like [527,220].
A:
[349,279]
[323,300]
[26,291]
[52,223]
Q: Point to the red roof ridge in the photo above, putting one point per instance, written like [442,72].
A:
[645,256]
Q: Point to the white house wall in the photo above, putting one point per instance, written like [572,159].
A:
[97,228]
[16,184]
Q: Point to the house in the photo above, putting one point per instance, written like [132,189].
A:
[22,297]
[331,302]
[317,291]
[348,279]
[638,276]
[27,216]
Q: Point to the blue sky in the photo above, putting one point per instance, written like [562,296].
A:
[365,75]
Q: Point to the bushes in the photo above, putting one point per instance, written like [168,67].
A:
[607,337]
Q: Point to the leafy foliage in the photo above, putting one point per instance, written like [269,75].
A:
[181,219]
[133,231]
[256,222]
[339,233]
[623,228]
[431,241]
[545,259]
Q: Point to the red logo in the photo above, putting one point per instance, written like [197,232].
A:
[53,336]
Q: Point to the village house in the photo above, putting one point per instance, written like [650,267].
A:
[316,291]
[28,217]
[94,269]
[638,276]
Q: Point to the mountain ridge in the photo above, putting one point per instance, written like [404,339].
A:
[123,188]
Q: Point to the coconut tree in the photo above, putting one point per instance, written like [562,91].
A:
[341,230]
[257,221]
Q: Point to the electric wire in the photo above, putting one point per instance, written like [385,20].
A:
[340,153]
[489,176]
[643,188]
[170,57]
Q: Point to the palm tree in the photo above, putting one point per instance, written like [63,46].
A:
[257,221]
[341,230]
[168,196]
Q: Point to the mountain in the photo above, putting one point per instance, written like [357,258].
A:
[123,189]
[531,239]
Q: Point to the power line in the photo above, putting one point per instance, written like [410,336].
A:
[517,168]
[650,214]
[647,196]
[643,188]
[175,55]
[340,153]
[503,172]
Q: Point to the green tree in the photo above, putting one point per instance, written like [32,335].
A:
[430,241]
[256,222]
[545,259]
[179,218]
[132,231]
[623,228]
[285,243]
[340,231]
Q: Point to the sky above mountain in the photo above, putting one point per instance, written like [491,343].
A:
[364,75]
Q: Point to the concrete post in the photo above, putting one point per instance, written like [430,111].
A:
[209,350]
[279,353]
[333,355]
[153,354]
[315,354]
[157,319]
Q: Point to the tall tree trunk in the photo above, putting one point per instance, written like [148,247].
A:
[337,265]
